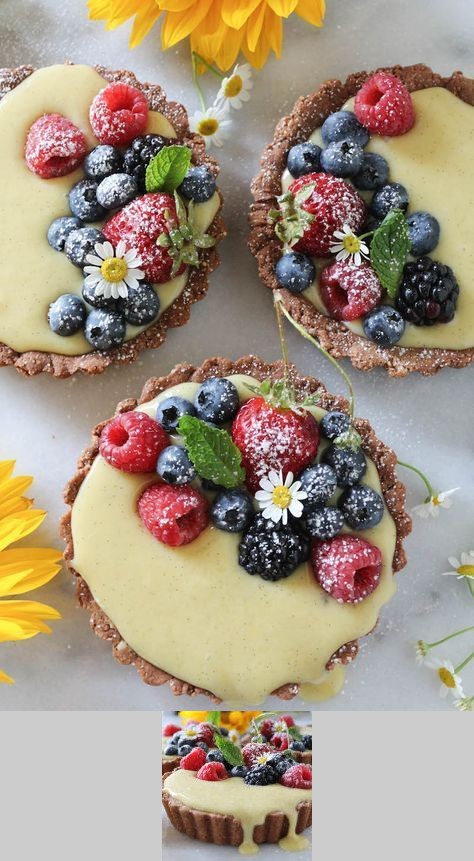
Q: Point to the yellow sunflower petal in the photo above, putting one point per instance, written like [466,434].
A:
[176,5]
[312,11]
[7,680]
[15,487]
[11,506]
[144,21]
[254,27]
[283,7]
[20,620]
[262,36]
[235,15]
[25,569]
[20,525]
[179,25]
[6,469]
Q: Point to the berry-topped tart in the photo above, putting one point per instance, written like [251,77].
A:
[242,796]
[234,532]
[110,218]
[363,218]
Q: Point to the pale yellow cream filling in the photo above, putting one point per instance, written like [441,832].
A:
[194,612]
[250,804]
[33,273]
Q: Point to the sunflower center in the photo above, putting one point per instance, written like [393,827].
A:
[233,86]
[208,126]
[446,677]
[466,570]
[113,269]
[351,243]
[281,496]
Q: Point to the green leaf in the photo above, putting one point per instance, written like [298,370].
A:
[229,751]
[214,718]
[212,452]
[389,250]
[294,732]
[167,169]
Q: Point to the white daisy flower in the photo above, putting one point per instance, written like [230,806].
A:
[234,737]
[451,682]
[213,124]
[431,507]
[349,246]
[279,497]
[421,652]
[112,271]
[235,90]
[463,567]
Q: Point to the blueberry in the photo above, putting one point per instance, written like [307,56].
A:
[116,190]
[303,158]
[215,755]
[171,750]
[307,741]
[170,410]
[174,466]
[185,749]
[217,400]
[203,746]
[344,125]
[320,482]
[239,771]
[323,523]
[141,306]
[349,464]
[89,294]
[104,329]
[232,511]
[280,763]
[223,731]
[362,507]
[373,173]
[66,315]
[198,184]
[59,230]
[342,158]
[384,325]
[297,745]
[83,201]
[295,271]
[334,423]
[423,230]
[390,196]
[176,737]
[80,243]
[102,161]
[207,484]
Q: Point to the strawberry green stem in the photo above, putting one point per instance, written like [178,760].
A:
[449,637]
[464,663]
[426,482]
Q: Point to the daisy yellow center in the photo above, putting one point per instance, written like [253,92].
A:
[208,126]
[435,500]
[281,496]
[351,244]
[446,677]
[113,269]
[233,86]
[466,570]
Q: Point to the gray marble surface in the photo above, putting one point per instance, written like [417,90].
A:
[45,423]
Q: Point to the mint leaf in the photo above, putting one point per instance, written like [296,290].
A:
[389,250]
[167,168]
[229,751]
[212,452]
[214,718]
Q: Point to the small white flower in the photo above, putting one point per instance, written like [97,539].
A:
[463,567]
[112,271]
[279,497]
[213,124]
[234,737]
[450,681]
[432,506]
[235,90]
[464,704]
[421,652]
[349,246]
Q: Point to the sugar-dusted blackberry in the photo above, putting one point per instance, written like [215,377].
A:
[428,293]
[261,775]
[272,549]
[280,763]
[307,741]
[139,154]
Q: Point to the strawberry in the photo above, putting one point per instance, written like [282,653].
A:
[170,729]
[195,760]
[347,567]
[298,777]
[384,105]
[212,771]
[256,753]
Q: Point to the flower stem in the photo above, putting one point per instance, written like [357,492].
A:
[197,84]
[423,477]
[464,663]
[284,349]
[449,637]
[197,57]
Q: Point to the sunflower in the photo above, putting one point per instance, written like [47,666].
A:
[217,29]
[239,721]
[24,568]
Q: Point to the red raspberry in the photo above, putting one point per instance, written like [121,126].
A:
[256,753]
[118,114]
[212,771]
[384,105]
[132,442]
[273,438]
[279,740]
[206,733]
[173,514]
[170,729]
[54,146]
[333,203]
[349,291]
[347,567]
[288,720]
[139,225]
[193,761]
[266,728]
[298,777]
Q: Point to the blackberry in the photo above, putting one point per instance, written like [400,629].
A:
[139,154]
[307,741]
[272,549]
[280,763]
[261,775]
[428,293]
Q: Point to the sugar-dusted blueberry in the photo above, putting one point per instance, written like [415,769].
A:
[349,464]
[103,161]
[344,125]
[334,423]
[83,201]
[239,771]
[198,184]
[80,243]
[423,230]
[59,230]
[170,410]
[215,755]
[185,749]
[295,271]
[373,172]
[342,158]
[303,158]
[104,329]
[280,763]
[232,510]
[320,482]
[171,750]
[90,295]
[117,190]
[174,466]
[323,522]
[298,745]
[203,746]
[217,400]
[384,325]
[66,315]
[307,741]
[393,195]
[362,507]
[141,306]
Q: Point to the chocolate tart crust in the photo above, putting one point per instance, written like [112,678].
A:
[35,362]
[308,114]
[384,458]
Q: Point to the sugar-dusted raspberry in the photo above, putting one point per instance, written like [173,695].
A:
[256,753]
[333,203]
[267,728]
[205,733]
[195,760]
[298,777]
[384,105]
[288,720]
[212,771]
[347,567]
[170,729]
[279,741]
[54,146]
[132,442]
[174,514]
[349,291]
[118,113]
